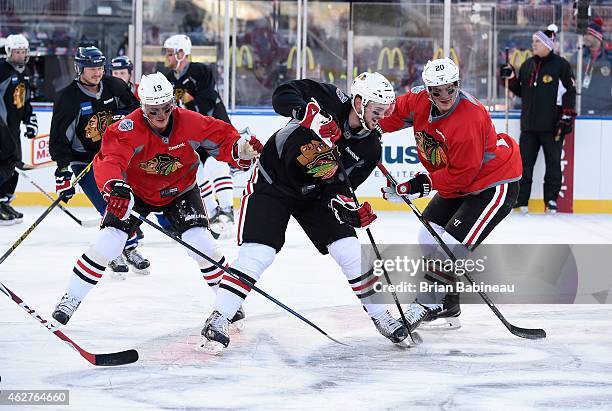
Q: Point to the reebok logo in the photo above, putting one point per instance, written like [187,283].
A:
[456,223]
[176,147]
[348,150]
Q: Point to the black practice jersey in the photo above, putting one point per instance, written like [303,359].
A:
[295,159]
[80,118]
[15,106]
[195,88]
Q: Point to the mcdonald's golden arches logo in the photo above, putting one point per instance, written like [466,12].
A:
[390,54]
[243,51]
[438,54]
[518,57]
[309,58]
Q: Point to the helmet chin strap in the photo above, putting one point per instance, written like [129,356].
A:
[361,114]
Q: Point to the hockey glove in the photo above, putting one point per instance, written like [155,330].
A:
[506,71]
[347,211]
[31,127]
[417,187]
[321,123]
[245,151]
[63,186]
[119,198]
[566,122]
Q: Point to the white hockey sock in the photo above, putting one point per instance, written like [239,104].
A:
[206,192]
[219,174]
[347,253]
[252,260]
[90,267]
[87,271]
[201,239]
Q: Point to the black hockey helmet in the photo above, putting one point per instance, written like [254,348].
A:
[88,57]
[121,62]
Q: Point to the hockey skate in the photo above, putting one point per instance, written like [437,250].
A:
[237,322]
[215,334]
[550,207]
[222,222]
[443,316]
[17,216]
[6,218]
[417,313]
[65,308]
[392,329]
[118,268]
[137,262]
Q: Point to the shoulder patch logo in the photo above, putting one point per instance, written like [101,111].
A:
[343,97]
[126,125]
[547,78]
[417,89]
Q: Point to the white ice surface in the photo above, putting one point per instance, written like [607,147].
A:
[278,362]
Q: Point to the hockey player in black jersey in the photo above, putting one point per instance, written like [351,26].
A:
[81,113]
[15,108]
[299,176]
[195,89]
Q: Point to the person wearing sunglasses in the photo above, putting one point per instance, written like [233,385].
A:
[148,163]
[474,170]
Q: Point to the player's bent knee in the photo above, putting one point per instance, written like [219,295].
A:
[254,258]
[347,253]
[110,242]
[201,239]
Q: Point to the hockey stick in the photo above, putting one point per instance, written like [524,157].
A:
[506,95]
[529,333]
[83,223]
[414,336]
[42,216]
[234,273]
[110,359]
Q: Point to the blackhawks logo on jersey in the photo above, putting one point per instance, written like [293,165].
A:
[182,97]
[430,149]
[97,124]
[163,164]
[318,159]
[19,96]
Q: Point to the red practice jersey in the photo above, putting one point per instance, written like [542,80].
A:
[159,169]
[460,149]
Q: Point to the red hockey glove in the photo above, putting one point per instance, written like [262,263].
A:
[321,123]
[63,186]
[119,198]
[347,211]
[417,187]
[246,150]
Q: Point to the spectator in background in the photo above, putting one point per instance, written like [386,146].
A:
[597,68]
[542,123]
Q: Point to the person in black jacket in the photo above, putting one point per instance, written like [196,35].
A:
[15,108]
[300,175]
[195,89]
[543,124]
[81,113]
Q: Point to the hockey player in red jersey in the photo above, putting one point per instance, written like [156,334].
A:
[148,163]
[474,170]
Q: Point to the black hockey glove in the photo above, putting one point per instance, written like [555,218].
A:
[31,127]
[506,71]
[347,211]
[63,186]
[417,187]
[566,122]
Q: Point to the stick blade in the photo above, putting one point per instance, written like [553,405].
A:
[529,333]
[116,358]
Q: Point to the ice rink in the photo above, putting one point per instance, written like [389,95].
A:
[277,362]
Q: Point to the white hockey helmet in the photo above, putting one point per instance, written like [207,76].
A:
[155,89]
[177,43]
[439,72]
[16,42]
[371,87]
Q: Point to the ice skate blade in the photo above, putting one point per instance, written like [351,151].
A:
[409,343]
[441,324]
[209,347]
[140,271]
[116,275]
[237,327]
